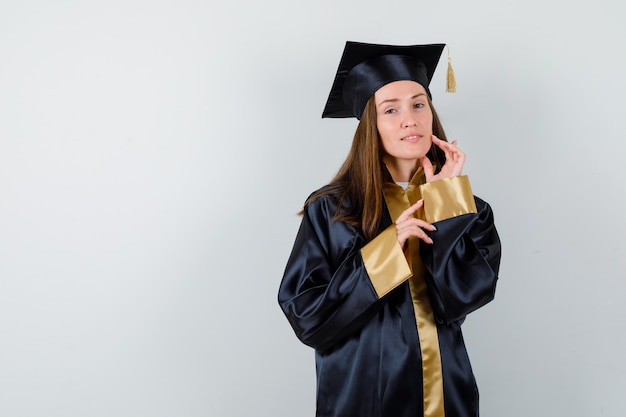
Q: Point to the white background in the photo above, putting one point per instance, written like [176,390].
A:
[154,154]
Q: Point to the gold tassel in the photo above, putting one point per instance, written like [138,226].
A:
[451,80]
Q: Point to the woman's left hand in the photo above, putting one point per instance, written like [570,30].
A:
[455,159]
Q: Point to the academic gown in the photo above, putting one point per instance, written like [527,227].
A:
[385,325]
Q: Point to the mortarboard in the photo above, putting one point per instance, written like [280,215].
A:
[366,67]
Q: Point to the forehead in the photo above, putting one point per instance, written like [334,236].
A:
[399,90]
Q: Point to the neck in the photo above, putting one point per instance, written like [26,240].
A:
[402,170]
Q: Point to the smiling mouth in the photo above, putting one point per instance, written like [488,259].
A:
[411,138]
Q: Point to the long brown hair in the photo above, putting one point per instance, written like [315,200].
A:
[358,185]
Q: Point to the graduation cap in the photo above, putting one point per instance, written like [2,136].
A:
[366,67]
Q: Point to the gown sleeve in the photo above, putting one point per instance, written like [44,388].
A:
[326,292]
[462,263]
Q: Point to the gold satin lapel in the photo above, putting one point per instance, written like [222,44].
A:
[429,340]
[397,201]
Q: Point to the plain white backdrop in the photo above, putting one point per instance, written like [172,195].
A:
[154,154]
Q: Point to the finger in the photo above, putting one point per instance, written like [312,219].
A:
[414,223]
[403,236]
[461,158]
[442,143]
[427,166]
[446,147]
[453,154]
[455,149]
[451,146]
[408,213]
[416,232]
[427,239]
[436,139]
[458,156]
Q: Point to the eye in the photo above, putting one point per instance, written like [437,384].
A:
[390,111]
[418,105]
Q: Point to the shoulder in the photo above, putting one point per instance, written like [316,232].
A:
[322,202]
[483,207]
[321,212]
[484,218]
[329,197]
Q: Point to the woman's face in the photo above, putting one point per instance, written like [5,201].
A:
[404,120]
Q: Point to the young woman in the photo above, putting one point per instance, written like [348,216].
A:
[394,252]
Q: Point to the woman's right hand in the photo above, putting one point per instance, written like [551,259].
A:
[408,225]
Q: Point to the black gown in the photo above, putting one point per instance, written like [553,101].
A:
[387,331]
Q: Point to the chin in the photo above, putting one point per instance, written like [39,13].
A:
[417,156]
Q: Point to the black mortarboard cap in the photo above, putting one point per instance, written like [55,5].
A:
[366,67]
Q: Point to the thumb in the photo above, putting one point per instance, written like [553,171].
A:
[428,168]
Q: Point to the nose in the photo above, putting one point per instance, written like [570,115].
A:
[409,121]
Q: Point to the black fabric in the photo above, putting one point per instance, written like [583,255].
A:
[368,359]
[365,67]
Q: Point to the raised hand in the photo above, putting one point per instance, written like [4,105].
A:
[455,159]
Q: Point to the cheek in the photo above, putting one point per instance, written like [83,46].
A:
[384,134]
[428,122]
[384,144]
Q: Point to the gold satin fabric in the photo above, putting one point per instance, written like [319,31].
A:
[398,200]
[387,265]
[385,262]
[447,198]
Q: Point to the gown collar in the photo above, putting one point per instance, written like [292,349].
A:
[418,178]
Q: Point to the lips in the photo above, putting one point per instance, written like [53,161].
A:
[411,138]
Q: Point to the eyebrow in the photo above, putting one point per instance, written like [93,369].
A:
[393,100]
